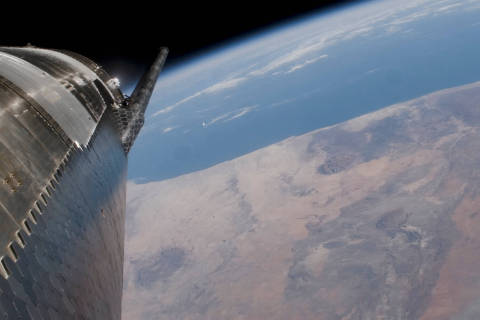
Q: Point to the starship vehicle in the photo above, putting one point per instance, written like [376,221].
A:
[65,133]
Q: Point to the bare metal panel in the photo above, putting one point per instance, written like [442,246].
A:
[71,73]
[19,188]
[9,227]
[60,104]
[62,184]
[42,132]
[71,266]
[30,153]
[99,71]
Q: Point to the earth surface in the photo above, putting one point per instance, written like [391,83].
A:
[323,169]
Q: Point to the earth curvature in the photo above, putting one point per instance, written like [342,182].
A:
[323,169]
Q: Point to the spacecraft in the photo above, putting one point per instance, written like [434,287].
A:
[65,132]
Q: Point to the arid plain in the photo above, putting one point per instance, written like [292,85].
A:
[374,218]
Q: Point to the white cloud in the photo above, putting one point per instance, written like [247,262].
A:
[296,67]
[173,106]
[217,87]
[448,7]
[168,129]
[220,117]
[242,112]
[282,102]
[288,58]
[291,45]
[222,85]
[232,115]
[372,70]
[357,32]
[429,8]
[306,63]
[409,18]
[281,61]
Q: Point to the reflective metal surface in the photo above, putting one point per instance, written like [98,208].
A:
[62,184]
[99,71]
[57,101]
[31,150]
[72,74]
[72,262]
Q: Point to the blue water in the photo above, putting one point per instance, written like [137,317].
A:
[359,76]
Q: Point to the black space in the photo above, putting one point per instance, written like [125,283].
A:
[124,38]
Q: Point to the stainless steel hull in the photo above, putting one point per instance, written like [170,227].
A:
[72,262]
[65,132]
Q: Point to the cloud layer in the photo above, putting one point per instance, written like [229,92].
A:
[293,47]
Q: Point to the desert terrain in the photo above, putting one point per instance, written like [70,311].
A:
[374,218]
